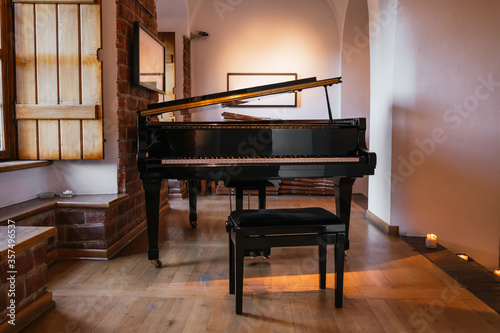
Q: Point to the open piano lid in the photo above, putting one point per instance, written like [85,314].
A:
[236,95]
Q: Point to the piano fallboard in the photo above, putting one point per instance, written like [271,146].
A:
[254,150]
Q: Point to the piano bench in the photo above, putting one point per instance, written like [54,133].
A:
[266,228]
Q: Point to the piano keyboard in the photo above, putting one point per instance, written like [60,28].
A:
[259,160]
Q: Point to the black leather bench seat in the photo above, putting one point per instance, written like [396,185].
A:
[283,217]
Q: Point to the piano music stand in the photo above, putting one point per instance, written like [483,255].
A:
[242,185]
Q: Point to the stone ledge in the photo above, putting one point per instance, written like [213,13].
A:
[29,270]
[20,165]
[25,237]
[32,207]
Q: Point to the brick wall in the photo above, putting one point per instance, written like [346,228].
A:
[186,71]
[31,278]
[87,228]
[130,100]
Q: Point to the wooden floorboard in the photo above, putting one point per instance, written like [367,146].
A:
[389,286]
[477,279]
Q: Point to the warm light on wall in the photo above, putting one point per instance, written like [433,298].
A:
[463,256]
[431,241]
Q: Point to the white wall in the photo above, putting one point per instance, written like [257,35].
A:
[21,185]
[83,177]
[173,17]
[382,29]
[446,124]
[259,36]
[356,72]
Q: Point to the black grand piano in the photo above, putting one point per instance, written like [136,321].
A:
[248,150]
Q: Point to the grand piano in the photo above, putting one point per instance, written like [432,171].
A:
[248,150]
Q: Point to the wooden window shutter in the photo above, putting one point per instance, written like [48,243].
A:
[58,79]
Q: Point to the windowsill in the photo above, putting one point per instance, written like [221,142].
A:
[19,165]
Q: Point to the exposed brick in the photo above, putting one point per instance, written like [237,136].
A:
[122,103]
[93,232]
[123,73]
[130,99]
[24,261]
[52,243]
[20,288]
[123,86]
[111,213]
[95,216]
[121,27]
[4,299]
[110,229]
[85,233]
[43,219]
[36,279]
[61,233]
[69,216]
[70,245]
[39,253]
[131,132]
[25,302]
[3,272]
[132,103]
[94,245]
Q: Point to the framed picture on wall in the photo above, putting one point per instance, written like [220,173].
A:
[149,60]
[246,80]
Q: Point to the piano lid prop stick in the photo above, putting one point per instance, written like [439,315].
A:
[328,103]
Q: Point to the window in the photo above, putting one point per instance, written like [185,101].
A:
[7,143]
[51,104]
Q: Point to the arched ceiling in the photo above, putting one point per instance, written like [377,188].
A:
[186,10]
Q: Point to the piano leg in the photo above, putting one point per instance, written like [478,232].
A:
[239,197]
[262,196]
[193,192]
[152,193]
[343,196]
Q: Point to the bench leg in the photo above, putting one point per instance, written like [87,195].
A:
[339,269]
[322,264]
[240,256]
[231,265]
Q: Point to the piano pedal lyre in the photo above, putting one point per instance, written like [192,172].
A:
[157,263]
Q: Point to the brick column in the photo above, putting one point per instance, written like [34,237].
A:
[186,70]
[131,99]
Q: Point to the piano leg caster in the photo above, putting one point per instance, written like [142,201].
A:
[157,263]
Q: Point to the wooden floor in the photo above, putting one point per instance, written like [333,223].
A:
[388,286]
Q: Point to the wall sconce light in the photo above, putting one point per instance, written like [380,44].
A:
[199,34]
[431,241]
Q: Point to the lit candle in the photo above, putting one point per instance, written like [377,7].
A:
[431,241]
[463,256]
